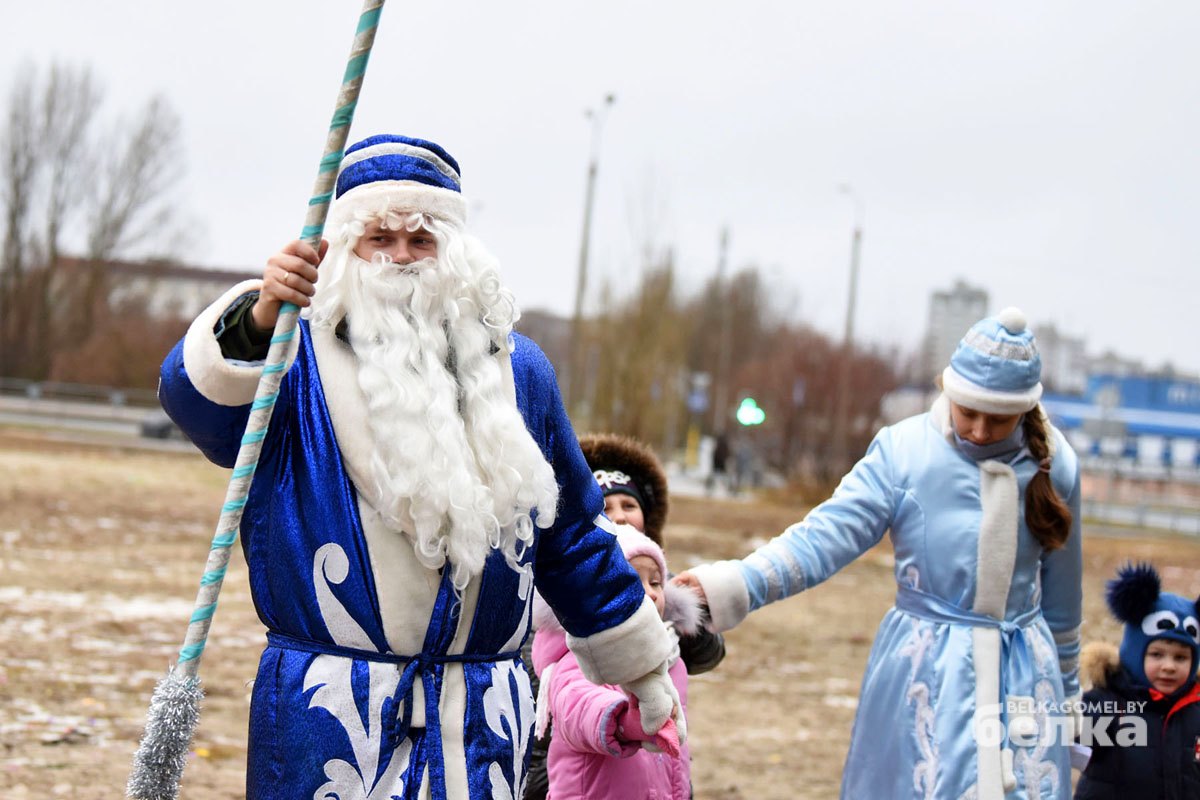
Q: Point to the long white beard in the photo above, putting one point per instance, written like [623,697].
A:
[454,467]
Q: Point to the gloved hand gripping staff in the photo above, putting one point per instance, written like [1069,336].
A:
[175,707]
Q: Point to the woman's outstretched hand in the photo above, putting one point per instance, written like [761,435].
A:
[690,581]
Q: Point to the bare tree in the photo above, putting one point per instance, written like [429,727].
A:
[20,166]
[133,202]
[59,167]
[641,348]
[69,102]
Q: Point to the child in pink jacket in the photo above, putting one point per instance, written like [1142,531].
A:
[599,749]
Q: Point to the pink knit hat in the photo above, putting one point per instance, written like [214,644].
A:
[635,543]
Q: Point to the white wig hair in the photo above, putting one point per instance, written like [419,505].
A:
[454,463]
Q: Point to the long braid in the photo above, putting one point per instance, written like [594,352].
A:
[1048,517]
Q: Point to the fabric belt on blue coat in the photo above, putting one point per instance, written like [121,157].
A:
[429,665]
[935,609]
[1012,632]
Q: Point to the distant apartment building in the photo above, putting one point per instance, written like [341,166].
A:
[1065,365]
[1109,363]
[1146,422]
[951,314]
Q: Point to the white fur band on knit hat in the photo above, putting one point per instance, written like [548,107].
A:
[396,173]
[996,367]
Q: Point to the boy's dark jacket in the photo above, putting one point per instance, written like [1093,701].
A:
[1168,766]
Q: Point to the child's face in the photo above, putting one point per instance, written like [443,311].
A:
[1168,665]
[652,580]
[624,509]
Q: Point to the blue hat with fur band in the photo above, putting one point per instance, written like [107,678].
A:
[397,173]
[996,368]
[1136,598]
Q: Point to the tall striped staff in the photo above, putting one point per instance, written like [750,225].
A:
[175,707]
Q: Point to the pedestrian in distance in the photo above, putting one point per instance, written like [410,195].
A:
[418,479]
[981,498]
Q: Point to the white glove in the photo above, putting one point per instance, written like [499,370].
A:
[671,659]
[658,701]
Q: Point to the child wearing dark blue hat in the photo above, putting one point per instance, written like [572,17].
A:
[1145,703]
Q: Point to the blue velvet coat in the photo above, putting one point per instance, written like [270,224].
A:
[442,708]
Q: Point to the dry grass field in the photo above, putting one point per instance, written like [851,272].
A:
[101,548]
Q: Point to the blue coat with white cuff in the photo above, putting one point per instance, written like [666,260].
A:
[378,681]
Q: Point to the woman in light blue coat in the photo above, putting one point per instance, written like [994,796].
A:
[972,685]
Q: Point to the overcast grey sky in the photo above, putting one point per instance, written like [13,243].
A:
[1045,151]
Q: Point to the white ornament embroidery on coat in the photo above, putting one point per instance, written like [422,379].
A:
[331,678]
[1045,654]
[525,594]
[1032,762]
[918,644]
[925,771]
[331,567]
[511,718]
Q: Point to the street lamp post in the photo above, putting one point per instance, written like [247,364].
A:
[572,391]
[725,344]
[842,410]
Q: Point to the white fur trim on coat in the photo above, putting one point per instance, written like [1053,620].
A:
[224,382]
[996,556]
[627,651]
[682,609]
[726,592]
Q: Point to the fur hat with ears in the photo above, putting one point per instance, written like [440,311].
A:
[642,475]
[1135,597]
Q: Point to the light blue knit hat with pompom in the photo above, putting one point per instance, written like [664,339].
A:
[996,368]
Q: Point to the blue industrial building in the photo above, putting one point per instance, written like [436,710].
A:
[1151,424]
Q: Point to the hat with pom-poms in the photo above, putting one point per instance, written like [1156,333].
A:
[1135,597]
[996,367]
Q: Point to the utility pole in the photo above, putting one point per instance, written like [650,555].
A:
[724,345]
[842,410]
[573,388]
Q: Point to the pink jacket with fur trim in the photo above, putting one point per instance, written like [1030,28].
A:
[587,757]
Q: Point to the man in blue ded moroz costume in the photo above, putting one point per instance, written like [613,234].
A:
[419,478]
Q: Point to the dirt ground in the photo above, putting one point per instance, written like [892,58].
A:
[101,549]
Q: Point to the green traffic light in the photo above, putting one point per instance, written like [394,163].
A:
[749,413]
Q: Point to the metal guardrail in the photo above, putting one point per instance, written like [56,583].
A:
[58,390]
[1177,520]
